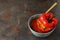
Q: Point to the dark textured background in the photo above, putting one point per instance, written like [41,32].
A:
[14,15]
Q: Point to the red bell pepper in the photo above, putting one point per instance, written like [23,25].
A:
[45,22]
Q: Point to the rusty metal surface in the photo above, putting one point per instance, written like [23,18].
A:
[14,15]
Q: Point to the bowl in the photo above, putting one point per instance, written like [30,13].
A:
[38,34]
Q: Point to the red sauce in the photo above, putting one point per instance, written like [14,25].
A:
[34,25]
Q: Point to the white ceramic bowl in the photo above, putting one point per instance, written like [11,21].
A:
[37,33]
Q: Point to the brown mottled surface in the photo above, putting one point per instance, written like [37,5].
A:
[14,15]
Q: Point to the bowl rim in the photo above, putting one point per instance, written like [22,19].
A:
[34,30]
